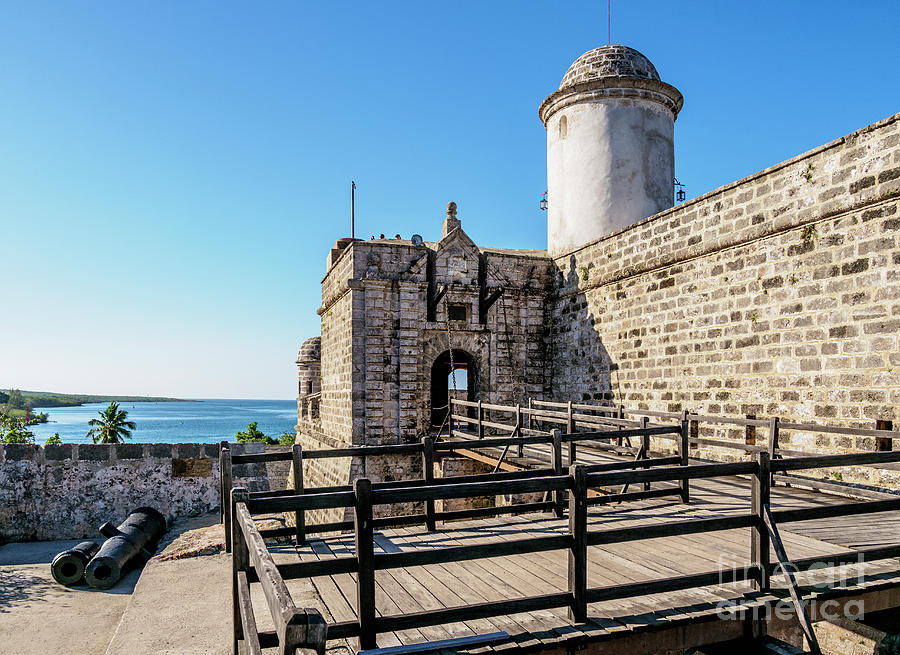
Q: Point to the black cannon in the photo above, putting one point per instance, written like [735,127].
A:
[68,567]
[136,537]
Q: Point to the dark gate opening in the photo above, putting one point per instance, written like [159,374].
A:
[467,387]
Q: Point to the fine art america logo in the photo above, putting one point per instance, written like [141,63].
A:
[820,575]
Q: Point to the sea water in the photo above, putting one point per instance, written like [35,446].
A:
[206,420]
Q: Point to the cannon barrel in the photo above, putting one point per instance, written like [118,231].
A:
[136,536]
[68,566]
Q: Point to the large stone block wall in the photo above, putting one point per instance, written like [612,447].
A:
[336,401]
[66,491]
[776,295]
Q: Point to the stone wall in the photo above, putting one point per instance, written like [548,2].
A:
[66,491]
[776,295]
[379,343]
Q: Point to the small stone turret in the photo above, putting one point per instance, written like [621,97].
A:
[309,367]
[610,146]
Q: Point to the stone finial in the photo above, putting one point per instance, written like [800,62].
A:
[451,222]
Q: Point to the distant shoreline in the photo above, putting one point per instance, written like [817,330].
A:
[50,399]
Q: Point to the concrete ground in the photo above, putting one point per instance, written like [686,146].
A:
[180,603]
[39,616]
[179,607]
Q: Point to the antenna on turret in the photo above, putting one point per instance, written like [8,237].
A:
[352,209]
[608,24]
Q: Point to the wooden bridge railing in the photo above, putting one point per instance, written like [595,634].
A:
[430,449]
[306,628]
[575,416]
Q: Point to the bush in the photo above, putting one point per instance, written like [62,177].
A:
[17,434]
[53,440]
[254,435]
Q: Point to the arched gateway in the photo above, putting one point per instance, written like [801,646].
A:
[467,382]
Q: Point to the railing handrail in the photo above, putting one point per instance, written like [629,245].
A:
[365,562]
[725,420]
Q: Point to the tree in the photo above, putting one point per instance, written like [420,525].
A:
[113,425]
[16,399]
[252,434]
[53,440]
[4,398]
[17,433]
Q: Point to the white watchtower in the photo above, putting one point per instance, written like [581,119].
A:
[610,150]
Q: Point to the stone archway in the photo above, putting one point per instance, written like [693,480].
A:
[440,373]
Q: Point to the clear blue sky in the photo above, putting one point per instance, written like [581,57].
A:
[173,174]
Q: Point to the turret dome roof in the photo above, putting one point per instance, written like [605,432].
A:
[609,61]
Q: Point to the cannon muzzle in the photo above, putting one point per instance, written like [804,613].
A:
[136,537]
[68,566]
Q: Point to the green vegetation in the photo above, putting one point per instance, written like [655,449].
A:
[15,416]
[13,430]
[50,399]
[254,435]
[53,440]
[113,425]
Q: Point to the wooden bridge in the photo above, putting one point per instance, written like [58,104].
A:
[700,553]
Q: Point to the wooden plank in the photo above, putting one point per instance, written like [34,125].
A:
[226,483]
[278,598]
[827,461]
[260,458]
[848,509]
[465,553]
[297,469]
[693,471]
[787,569]
[453,645]
[365,582]
[577,554]
[248,621]
[428,475]
[307,502]
[760,497]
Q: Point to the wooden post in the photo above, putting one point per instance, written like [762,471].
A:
[750,432]
[774,430]
[620,414]
[884,443]
[240,561]
[578,552]
[365,556]
[695,433]
[518,429]
[226,481]
[530,415]
[299,515]
[449,417]
[224,498]
[683,452]
[560,495]
[760,491]
[480,420]
[645,444]
[428,476]
[570,428]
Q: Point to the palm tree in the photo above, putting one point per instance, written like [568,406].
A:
[112,427]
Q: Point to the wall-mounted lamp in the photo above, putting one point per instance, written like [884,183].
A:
[543,203]
[679,191]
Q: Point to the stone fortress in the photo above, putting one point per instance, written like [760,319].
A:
[778,294]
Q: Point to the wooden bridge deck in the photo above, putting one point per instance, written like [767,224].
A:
[419,588]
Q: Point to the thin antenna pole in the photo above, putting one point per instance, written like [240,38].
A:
[608,24]
[352,209]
